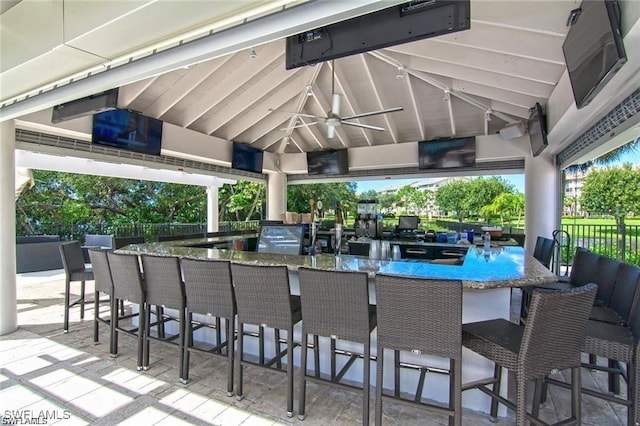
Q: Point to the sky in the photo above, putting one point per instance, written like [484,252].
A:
[517,180]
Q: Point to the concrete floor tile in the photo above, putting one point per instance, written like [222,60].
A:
[147,416]
[101,401]
[232,416]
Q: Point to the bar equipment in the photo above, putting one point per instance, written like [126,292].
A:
[368,222]
[338,239]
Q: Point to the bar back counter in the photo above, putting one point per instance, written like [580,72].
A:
[487,277]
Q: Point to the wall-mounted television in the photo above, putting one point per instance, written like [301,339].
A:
[281,239]
[128,130]
[537,128]
[447,153]
[329,162]
[246,157]
[593,49]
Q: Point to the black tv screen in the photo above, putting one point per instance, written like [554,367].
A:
[537,128]
[593,49]
[129,130]
[447,153]
[331,162]
[408,223]
[281,239]
[247,158]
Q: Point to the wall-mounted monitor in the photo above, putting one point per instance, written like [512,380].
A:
[537,128]
[593,49]
[281,239]
[330,162]
[246,157]
[127,130]
[408,223]
[447,153]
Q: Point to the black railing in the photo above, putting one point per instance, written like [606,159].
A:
[608,240]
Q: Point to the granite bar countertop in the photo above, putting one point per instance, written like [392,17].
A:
[501,267]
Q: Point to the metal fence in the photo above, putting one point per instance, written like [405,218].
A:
[608,240]
[150,231]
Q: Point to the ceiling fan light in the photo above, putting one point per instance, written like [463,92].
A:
[400,74]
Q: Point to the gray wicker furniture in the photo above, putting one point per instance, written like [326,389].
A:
[543,251]
[420,316]
[127,285]
[335,305]
[103,284]
[263,298]
[209,291]
[164,289]
[75,270]
[551,339]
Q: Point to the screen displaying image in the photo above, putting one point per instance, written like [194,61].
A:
[281,239]
[247,158]
[447,153]
[332,162]
[127,130]
[408,223]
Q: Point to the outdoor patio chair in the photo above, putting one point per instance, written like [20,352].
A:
[421,317]
[75,270]
[209,292]
[103,283]
[335,305]
[263,297]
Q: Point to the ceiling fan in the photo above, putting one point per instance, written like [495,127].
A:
[334,118]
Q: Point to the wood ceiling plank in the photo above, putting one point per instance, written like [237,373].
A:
[129,93]
[390,128]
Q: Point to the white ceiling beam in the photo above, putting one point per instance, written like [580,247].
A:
[501,63]
[303,97]
[351,100]
[239,116]
[259,121]
[452,119]
[195,76]
[241,72]
[544,17]
[416,107]
[494,38]
[129,93]
[505,96]
[376,92]
[313,131]
[513,110]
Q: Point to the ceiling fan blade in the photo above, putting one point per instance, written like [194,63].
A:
[368,114]
[301,114]
[300,125]
[364,126]
[335,104]
[331,131]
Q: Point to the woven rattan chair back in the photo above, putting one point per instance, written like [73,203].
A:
[555,330]
[584,267]
[163,281]
[262,295]
[101,271]
[72,258]
[335,304]
[543,251]
[420,315]
[605,278]
[625,295]
[208,287]
[127,281]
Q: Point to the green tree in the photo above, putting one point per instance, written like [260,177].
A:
[612,191]
[482,192]
[298,196]
[504,206]
[242,201]
[410,198]
[453,197]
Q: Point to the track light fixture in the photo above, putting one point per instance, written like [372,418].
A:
[400,74]
[309,91]
[487,115]
[447,96]
[253,54]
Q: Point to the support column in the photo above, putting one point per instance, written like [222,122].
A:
[212,209]
[276,195]
[542,193]
[8,299]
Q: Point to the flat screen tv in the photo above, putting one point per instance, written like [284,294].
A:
[330,162]
[408,223]
[593,49]
[537,128]
[447,153]
[281,239]
[127,130]
[246,157]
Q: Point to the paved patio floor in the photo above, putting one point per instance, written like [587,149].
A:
[69,380]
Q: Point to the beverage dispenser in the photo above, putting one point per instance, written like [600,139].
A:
[368,222]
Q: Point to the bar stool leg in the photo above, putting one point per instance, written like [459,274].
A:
[497,375]
[396,379]
[82,291]
[96,309]
[113,324]
[276,334]
[455,391]
[576,397]
[66,306]
[230,355]
[366,374]
[316,355]
[333,359]
[379,377]
[303,374]
[145,335]
[239,395]
[188,343]
[142,326]
[290,372]
[261,344]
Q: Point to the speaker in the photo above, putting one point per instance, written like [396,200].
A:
[512,131]
[90,105]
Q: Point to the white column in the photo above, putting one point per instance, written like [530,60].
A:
[541,186]
[276,195]
[8,299]
[212,209]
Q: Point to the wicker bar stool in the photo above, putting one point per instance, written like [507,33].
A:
[551,339]
[75,270]
[103,284]
[164,289]
[420,316]
[127,285]
[336,305]
[263,298]
[209,291]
